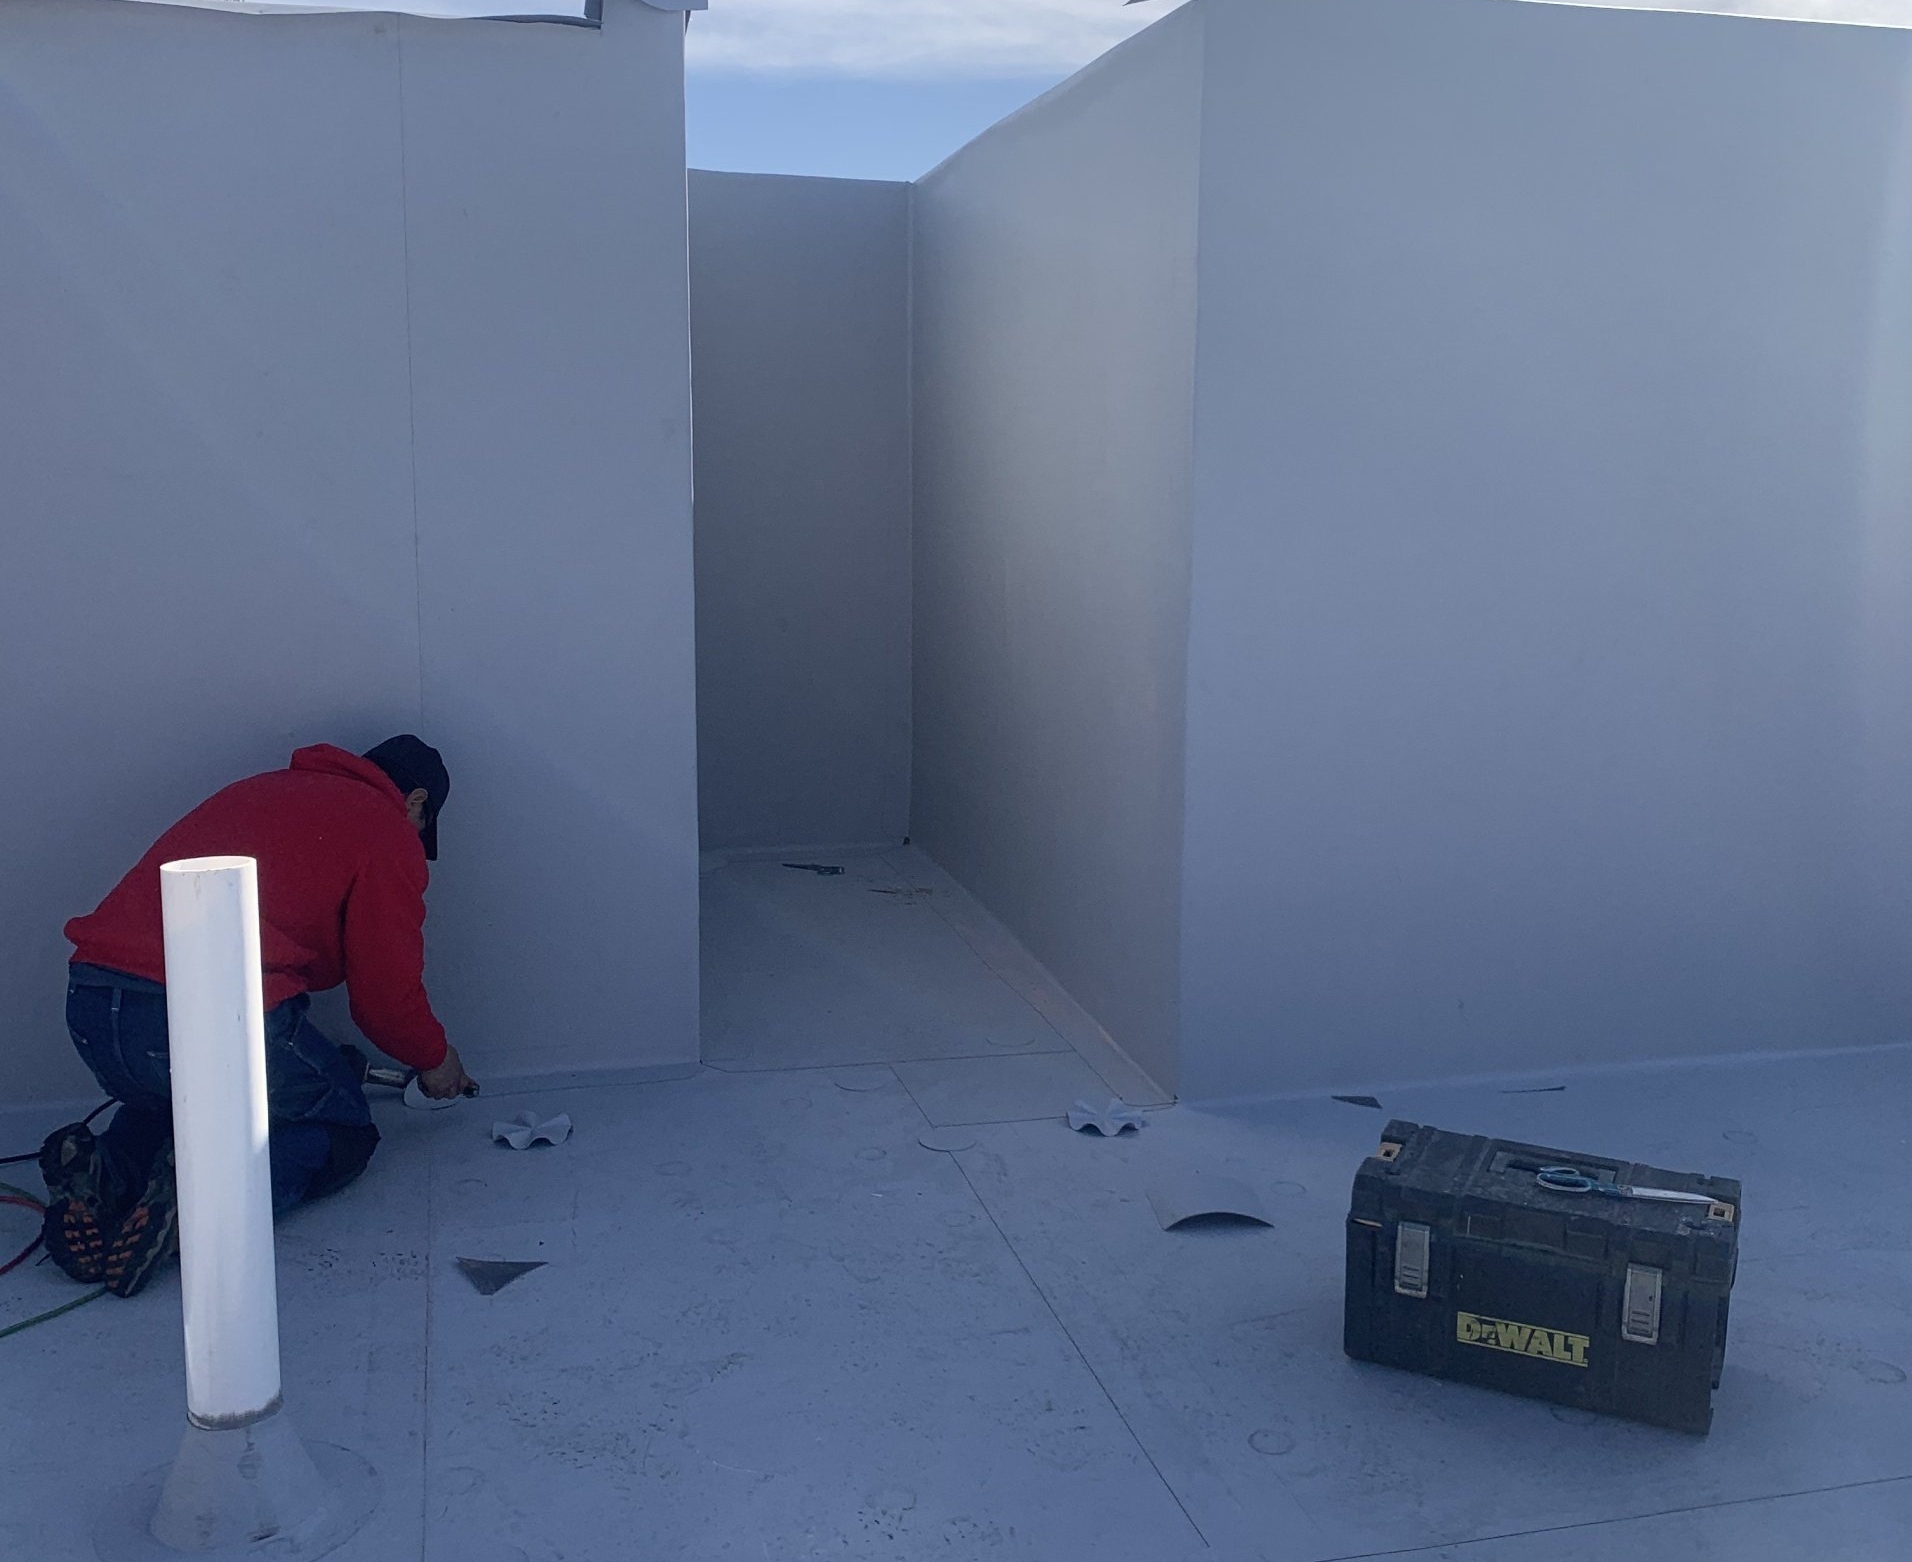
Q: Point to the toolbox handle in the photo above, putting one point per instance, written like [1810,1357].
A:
[1512,1161]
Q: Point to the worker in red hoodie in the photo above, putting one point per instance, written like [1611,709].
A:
[342,843]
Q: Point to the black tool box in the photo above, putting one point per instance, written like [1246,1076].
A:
[1463,1264]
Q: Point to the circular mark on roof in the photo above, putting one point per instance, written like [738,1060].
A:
[948,1140]
[463,1478]
[674,1169]
[1881,1372]
[1011,1043]
[872,1153]
[1740,1136]
[1567,1415]
[1272,1440]
[862,1078]
[471,1185]
[1291,1190]
[956,1219]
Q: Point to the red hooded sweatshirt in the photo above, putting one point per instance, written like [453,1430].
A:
[341,894]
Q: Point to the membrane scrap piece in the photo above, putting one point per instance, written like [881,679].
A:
[526,1129]
[489,1276]
[1108,1120]
[1209,1199]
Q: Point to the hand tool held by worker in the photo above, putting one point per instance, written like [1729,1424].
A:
[449,1080]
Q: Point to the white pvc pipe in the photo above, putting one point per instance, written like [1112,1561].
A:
[215,1014]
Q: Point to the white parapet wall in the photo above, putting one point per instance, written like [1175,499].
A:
[1054,278]
[1506,405]
[1549,696]
[800,335]
[340,401]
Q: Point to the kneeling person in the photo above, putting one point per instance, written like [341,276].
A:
[342,844]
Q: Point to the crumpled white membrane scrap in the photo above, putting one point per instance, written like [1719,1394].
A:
[526,1129]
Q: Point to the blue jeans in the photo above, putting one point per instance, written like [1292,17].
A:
[321,1129]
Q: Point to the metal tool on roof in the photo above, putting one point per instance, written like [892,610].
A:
[1564,1179]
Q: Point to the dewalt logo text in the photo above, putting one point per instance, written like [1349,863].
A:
[1521,1339]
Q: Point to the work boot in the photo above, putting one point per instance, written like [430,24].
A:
[77,1213]
[147,1235]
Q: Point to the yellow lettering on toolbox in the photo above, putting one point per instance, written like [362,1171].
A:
[1521,1339]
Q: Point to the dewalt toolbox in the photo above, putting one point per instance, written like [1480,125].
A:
[1586,1281]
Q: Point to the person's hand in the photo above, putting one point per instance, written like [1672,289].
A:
[449,1080]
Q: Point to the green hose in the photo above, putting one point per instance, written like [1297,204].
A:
[15,1328]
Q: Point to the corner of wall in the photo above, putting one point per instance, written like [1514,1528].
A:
[1198,16]
[909,418]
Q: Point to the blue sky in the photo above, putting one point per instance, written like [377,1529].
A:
[879,89]
[848,128]
[886,89]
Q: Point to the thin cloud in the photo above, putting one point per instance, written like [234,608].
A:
[1034,37]
[912,37]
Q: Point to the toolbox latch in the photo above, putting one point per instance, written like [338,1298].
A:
[1411,1259]
[1640,1310]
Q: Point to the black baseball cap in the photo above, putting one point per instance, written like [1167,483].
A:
[413,764]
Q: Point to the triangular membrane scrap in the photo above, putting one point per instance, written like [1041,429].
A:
[489,1276]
